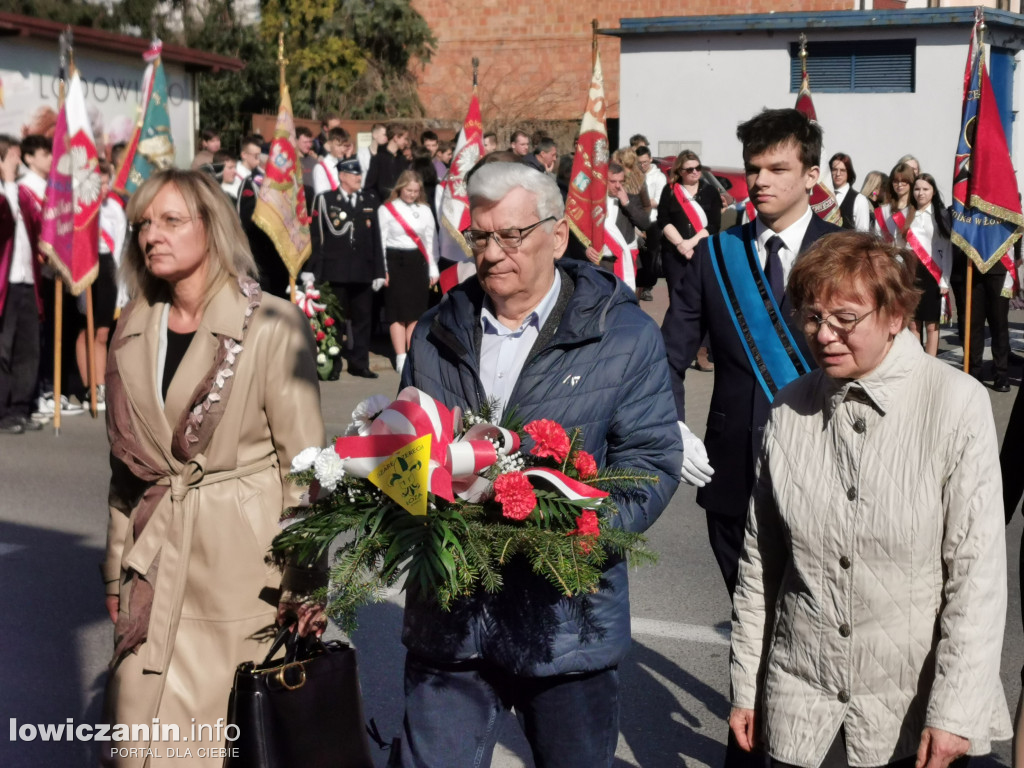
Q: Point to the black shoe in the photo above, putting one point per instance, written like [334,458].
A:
[1001,385]
[31,426]
[644,294]
[12,426]
[364,373]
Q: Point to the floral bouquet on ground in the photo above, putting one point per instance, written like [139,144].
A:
[323,310]
[447,499]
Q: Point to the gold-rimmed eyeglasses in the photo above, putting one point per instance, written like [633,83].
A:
[840,323]
[167,223]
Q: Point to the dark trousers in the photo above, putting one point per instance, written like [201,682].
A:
[451,715]
[357,303]
[987,304]
[725,532]
[836,757]
[19,351]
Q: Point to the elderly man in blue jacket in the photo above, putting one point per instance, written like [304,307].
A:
[553,340]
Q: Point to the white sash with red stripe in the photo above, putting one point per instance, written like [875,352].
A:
[409,231]
[108,240]
[625,256]
[698,219]
[331,177]
[921,245]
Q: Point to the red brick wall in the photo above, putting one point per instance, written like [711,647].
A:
[535,54]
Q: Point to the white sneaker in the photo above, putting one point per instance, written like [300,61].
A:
[68,408]
[41,417]
[101,397]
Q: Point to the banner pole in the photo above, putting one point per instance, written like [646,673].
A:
[967,318]
[58,332]
[90,349]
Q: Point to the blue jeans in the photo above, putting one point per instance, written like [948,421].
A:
[451,715]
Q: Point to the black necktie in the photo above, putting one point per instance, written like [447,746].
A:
[773,268]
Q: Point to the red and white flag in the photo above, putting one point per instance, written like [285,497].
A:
[454,198]
[73,196]
[823,202]
[585,205]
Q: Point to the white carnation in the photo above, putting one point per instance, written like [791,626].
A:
[333,351]
[321,359]
[329,469]
[365,413]
[305,458]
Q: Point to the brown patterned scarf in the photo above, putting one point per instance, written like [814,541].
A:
[191,437]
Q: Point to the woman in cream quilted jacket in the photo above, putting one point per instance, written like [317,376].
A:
[868,616]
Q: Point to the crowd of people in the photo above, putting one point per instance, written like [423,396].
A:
[842,468]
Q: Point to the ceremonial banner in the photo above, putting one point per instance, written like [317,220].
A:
[454,199]
[823,202]
[151,147]
[987,217]
[585,205]
[70,233]
[281,208]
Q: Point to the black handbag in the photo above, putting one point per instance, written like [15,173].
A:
[303,710]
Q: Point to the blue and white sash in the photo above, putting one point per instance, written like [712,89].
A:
[774,356]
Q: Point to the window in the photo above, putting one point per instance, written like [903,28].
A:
[845,66]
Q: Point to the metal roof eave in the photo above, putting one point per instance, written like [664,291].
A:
[778,22]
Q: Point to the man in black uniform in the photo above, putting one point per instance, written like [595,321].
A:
[347,253]
[274,277]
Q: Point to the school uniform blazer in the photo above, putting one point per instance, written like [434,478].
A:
[739,406]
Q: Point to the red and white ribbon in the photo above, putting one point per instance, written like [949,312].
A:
[571,489]
[454,462]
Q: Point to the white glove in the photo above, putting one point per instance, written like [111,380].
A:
[432,272]
[377,284]
[696,470]
[305,278]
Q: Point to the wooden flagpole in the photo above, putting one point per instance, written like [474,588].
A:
[593,44]
[282,62]
[969,288]
[58,283]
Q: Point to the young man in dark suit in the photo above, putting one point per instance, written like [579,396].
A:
[734,289]
[347,253]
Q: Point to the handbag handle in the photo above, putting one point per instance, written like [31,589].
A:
[296,648]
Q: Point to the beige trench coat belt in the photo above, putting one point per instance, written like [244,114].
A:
[169,533]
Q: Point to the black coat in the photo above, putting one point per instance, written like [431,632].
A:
[739,406]
[274,277]
[346,238]
[383,173]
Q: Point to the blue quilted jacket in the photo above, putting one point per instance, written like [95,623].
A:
[598,364]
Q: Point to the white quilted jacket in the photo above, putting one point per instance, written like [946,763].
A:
[872,588]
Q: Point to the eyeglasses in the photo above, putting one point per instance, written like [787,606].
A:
[693,169]
[167,223]
[507,239]
[840,323]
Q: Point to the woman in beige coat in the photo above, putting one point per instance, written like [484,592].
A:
[211,391]
[868,615]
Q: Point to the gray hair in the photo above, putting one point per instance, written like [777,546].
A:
[492,182]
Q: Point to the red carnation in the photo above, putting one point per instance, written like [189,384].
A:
[585,465]
[549,438]
[588,529]
[320,335]
[515,494]
[329,321]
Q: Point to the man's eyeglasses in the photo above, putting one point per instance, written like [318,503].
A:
[507,239]
[693,169]
[840,323]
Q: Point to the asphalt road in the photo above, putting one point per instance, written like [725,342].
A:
[56,639]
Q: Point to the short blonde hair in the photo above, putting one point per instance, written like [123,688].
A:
[850,261]
[407,178]
[227,247]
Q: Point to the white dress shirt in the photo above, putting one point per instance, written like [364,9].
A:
[503,351]
[861,208]
[656,182]
[21,263]
[792,237]
[417,216]
[324,173]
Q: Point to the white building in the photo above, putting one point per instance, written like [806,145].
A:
[885,83]
[111,67]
